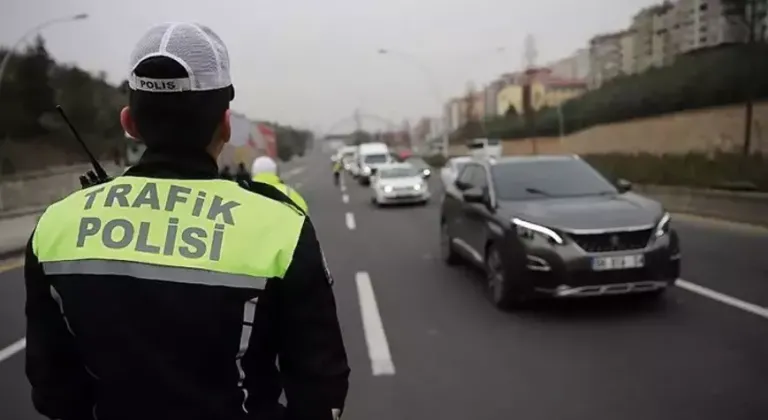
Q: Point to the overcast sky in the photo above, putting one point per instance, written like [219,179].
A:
[311,62]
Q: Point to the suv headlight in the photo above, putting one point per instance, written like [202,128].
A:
[387,188]
[418,187]
[528,230]
[662,228]
[367,170]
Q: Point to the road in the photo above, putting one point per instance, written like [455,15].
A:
[424,342]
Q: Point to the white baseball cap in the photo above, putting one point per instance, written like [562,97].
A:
[194,47]
[263,164]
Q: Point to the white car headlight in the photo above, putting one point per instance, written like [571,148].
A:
[662,228]
[367,170]
[387,188]
[427,172]
[528,230]
[417,187]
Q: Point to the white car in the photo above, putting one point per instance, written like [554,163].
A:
[451,169]
[399,183]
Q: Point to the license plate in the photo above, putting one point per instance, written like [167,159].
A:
[623,262]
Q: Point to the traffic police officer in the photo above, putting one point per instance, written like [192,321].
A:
[169,293]
[264,169]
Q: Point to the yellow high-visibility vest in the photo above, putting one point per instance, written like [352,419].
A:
[199,231]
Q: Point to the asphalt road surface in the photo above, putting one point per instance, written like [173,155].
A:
[424,341]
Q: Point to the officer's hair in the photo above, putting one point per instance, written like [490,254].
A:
[177,120]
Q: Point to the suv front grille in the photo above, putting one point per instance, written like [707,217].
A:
[614,241]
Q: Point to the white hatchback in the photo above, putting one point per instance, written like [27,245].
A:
[399,183]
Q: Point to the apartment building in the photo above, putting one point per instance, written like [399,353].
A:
[652,39]
[610,55]
[702,23]
[491,92]
[574,67]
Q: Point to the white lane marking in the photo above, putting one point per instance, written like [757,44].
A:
[343,187]
[14,348]
[11,264]
[294,172]
[345,198]
[723,298]
[375,338]
[350,221]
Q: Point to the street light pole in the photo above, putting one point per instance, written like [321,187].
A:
[436,91]
[9,53]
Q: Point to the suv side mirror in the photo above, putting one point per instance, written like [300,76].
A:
[623,185]
[474,195]
[460,184]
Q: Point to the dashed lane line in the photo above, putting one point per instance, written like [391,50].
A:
[345,198]
[350,219]
[11,350]
[375,337]
[723,298]
[11,264]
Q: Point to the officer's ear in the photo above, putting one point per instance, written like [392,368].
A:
[128,123]
[225,127]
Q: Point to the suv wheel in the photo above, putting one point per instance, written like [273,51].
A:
[446,246]
[500,289]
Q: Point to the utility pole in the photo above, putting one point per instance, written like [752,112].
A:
[358,127]
[752,28]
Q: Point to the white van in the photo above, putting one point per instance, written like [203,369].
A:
[484,148]
[369,157]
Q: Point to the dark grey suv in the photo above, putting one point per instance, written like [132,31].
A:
[554,226]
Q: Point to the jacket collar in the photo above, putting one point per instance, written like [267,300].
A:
[180,164]
[267,178]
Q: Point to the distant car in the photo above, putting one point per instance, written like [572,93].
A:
[396,183]
[421,165]
[451,169]
[370,156]
[553,226]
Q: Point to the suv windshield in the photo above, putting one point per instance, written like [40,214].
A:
[400,172]
[375,158]
[553,178]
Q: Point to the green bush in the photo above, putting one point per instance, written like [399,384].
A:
[705,78]
[435,161]
[719,170]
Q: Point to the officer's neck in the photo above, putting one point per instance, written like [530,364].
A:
[195,163]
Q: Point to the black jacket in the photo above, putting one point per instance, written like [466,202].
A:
[127,350]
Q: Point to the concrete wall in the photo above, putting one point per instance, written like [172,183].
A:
[744,207]
[702,130]
[36,189]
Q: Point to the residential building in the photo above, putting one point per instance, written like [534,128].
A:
[609,56]
[702,23]
[477,102]
[455,114]
[574,67]
[491,94]
[652,37]
[547,90]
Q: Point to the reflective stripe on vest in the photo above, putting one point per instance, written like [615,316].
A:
[193,231]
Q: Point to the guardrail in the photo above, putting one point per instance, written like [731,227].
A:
[736,206]
[41,188]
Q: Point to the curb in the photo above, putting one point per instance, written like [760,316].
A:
[10,214]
